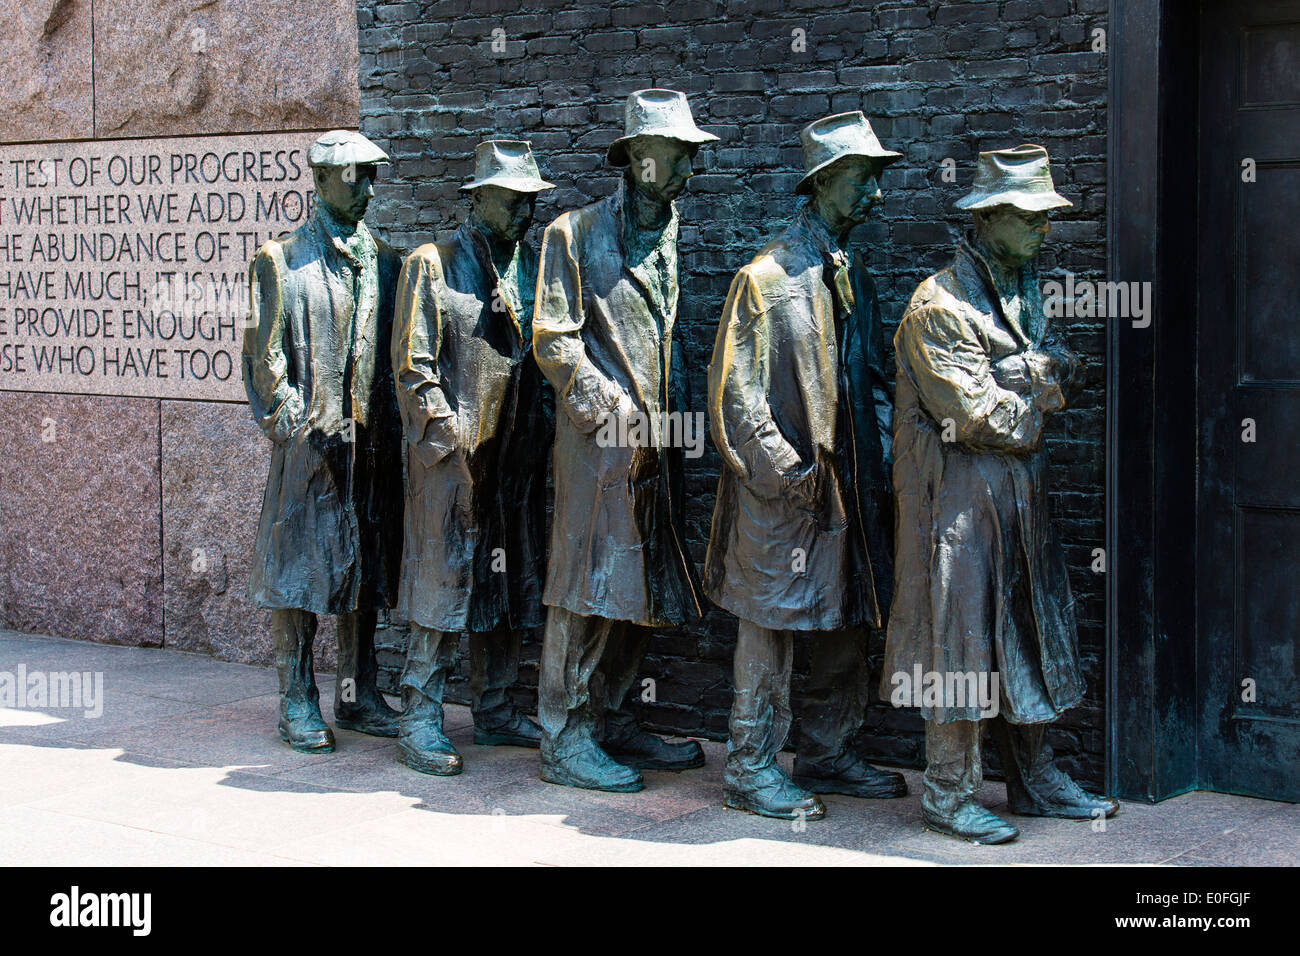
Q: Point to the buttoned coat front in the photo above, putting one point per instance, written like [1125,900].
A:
[478,423]
[317,374]
[604,341]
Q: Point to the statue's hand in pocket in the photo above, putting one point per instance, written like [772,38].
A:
[801,487]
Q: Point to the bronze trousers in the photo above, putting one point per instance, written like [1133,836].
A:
[830,712]
[954,770]
[293,632]
[493,668]
[588,667]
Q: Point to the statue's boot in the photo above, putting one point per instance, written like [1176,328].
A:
[625,740]
[574,759]
[629,744]
[970,821]
[770,793]
[366,712]
[301,725]
[760,721]
[851,775]
[953,775]
[493,667]
[570,748]
[516,731]
[1035,786]
[421,743]
[831,712]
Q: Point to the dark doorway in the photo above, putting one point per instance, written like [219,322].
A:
[1203,527]
[1248,379]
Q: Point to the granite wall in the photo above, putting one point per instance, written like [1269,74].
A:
[131,520]
[940,81]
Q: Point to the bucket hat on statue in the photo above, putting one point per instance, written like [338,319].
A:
[344,147]
[656,113]
[832,138]
[507,163]
[1018,177]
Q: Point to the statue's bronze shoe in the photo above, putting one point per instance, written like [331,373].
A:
[773,794]
[590,769]
[302,728]
[971,822]
[370,716]
[646,751]
[424,747]
[1068,802]
[856,778]
[518,731]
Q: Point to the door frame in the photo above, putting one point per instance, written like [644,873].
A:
[1242,747]
[1151,428]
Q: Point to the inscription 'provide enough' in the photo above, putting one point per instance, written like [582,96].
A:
[123,264]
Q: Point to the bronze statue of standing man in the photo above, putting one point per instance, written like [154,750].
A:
[316,369]
[606,302]
[796,400]
[980,586]
[479,418]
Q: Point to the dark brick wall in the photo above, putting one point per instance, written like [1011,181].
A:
[938,81]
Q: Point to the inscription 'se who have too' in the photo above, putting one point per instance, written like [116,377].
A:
[123,264]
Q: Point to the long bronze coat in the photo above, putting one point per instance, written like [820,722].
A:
[316,355]
[793,413]
[980,580]
[602,333]
[478,421]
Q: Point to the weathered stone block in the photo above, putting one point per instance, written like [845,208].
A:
[79,505]
[214,462]
[235,66]
[46,63]
[214,467]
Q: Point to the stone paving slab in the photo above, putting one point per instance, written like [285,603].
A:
[185,767]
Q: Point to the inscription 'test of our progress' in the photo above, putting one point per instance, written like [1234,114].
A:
[124,263]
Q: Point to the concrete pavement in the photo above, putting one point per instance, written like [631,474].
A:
[184,766]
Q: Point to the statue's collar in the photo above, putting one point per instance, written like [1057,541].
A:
[988,270]
[1025,319]
[481,245]
[823,237]
[353,240]
[624,208]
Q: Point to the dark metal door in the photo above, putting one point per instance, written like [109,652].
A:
[1248,385]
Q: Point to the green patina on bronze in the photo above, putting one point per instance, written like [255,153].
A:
[478,419]
[800,410]
[607,297]
[319,383]
[980,580]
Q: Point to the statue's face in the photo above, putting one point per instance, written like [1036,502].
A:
[1013,235]
[847,190]
[660,166]
[505,212]
[346,190]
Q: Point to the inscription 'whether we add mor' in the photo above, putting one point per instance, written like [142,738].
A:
[124,264]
